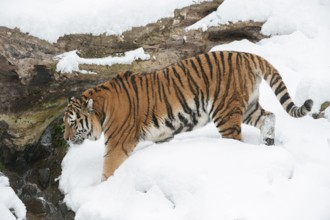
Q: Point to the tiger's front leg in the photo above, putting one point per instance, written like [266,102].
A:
[114,156]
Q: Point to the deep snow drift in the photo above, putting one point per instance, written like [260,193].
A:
[198,175]
[50,19]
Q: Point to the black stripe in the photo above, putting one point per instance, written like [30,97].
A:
[181,98]
[275,78]
[222,58]
[141,82]
[109,137]
[154,120]
[96,89]
[104,87]
[247,64]
[183,119]
[81,123]
[203,100]
[248,118]
[232,130]
[261,64]
[114,85]
[251,56]
[242,78]
[177,75]
[218,83]
[182,66]
[216,120]
[134,85]
[301,111]
[117,81]
[167,76]
[280,88]
[230,63]
[127,74]
[208,59]
[284,98]
[169,124]
[168,105]
[256,121]
[86,122]
[148,99]
[224,98]
[206,81]
[159,88]
[194,118]
[194,67]
[290,105]
[135,88]
[220,68]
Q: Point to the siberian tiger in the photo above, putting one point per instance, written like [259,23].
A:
[218,86]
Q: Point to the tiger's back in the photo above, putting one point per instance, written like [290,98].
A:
[218,86]
[187,95]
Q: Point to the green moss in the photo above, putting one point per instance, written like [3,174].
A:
[2,167]
[57,135]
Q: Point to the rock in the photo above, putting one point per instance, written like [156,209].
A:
[23,52]
[43,177]
[241,30]
[16,181]
[20,164]
[38,179]
[66,213]
[30,190]
[42,76]
[37,206]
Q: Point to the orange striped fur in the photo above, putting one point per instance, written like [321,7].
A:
[218,86]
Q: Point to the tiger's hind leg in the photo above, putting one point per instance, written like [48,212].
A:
[229,123]
[256,116]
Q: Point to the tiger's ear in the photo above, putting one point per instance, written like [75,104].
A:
[70,99]
[89,105]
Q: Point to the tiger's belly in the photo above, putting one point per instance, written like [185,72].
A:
[164,129]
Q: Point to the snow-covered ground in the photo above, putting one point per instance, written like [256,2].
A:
[198,175]
[50,19]
[9,201]
[70,61]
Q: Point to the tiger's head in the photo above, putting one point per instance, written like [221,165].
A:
[81,121]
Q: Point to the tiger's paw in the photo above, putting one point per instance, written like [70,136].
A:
[269,141]
[104,178]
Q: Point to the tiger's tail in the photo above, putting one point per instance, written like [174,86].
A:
[275,81]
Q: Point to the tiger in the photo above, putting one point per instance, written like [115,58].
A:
[219,86]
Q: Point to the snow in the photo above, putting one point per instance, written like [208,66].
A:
[49,19]
[69,61]
[280,17]
[9,201]
[199,175]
